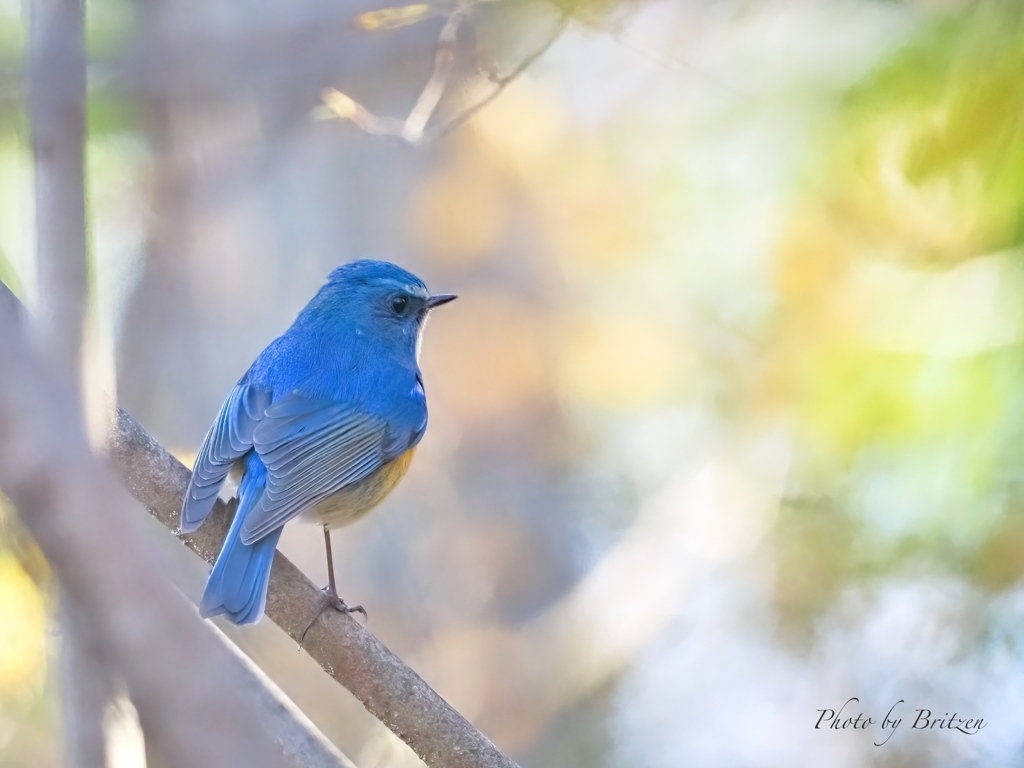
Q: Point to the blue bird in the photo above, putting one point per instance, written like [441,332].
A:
[323,424]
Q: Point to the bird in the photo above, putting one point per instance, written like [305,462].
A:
[322,426]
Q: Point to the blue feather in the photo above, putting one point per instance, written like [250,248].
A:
[228,440]
[238,583]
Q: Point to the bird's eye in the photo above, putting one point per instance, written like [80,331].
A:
[398,304]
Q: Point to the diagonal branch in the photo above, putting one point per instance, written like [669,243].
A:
[342,647]
[302,743]
[184,685]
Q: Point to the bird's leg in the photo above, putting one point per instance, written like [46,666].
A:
[330,563]
[331,598]
[330,592]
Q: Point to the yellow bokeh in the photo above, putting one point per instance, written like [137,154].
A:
[524,130]
[598,221]
[495,362]
[623,360]
[392,18]
[458,214]
[22,631]
[594,214]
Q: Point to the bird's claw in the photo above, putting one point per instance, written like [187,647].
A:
[331,599]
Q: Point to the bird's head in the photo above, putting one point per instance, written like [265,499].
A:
[381,299]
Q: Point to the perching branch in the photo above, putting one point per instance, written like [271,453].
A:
[413,129]
[343,648]
[348,652]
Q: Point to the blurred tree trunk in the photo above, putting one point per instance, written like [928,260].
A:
[56,101]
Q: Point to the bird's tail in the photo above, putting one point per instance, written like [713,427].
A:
[238,582]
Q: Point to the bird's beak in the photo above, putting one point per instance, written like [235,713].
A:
[441,298]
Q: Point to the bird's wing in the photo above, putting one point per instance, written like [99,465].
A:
[311,449]
[230,437]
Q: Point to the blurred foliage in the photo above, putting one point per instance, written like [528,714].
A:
[929,169]
[898,345]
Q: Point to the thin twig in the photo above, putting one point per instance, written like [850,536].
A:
[413,129]
[430,96]
[500,83]
[340,105]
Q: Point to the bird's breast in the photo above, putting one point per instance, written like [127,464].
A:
[354,501]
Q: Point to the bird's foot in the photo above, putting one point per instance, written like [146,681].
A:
[331,599]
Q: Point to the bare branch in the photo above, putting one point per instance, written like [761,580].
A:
[85,695]
[340,105]
[444,58]
[303,744]
[184,685]
[348,652]
[413,129]
[501,83]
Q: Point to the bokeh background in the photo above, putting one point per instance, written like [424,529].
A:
[726,425]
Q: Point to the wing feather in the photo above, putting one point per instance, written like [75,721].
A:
[230,438]
[311,450]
